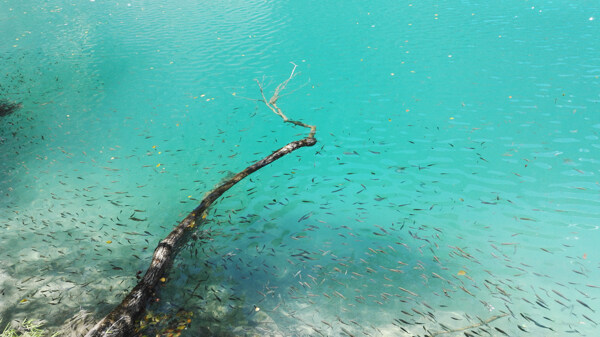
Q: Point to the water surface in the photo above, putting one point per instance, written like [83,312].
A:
[454,179]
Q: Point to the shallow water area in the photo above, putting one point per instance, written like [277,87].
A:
[453,187]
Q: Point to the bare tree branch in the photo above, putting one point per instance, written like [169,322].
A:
[121,320]
[272,103]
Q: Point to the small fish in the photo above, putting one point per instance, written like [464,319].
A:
[501,331]
[305,216]
[585,305]
[589,319]
[347,332]
[465,290]
[408,291]
[561,303]
[559,294]
[403,321]
[542,304]
[340,295]
[535,322]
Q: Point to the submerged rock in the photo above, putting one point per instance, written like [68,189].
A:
[7,107]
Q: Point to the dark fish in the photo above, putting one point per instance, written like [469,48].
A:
[535,322]
[585,305]
[305,216]
[589,319]
[542,304]
[403,321]
[561,303]
[501,331]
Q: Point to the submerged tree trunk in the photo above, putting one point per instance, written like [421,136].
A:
[121,320]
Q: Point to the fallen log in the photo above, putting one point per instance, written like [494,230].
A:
[121,320]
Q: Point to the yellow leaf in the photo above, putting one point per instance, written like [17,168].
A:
[108,241]
[461,272]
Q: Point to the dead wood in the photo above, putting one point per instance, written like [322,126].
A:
[121,320]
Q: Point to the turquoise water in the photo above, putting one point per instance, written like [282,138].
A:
[457,159]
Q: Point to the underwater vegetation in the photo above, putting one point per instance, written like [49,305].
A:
[26,328]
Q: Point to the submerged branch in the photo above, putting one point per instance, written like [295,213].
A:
[121,320]
[272,103]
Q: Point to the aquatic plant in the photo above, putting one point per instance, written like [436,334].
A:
[7,107]
[26,328]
